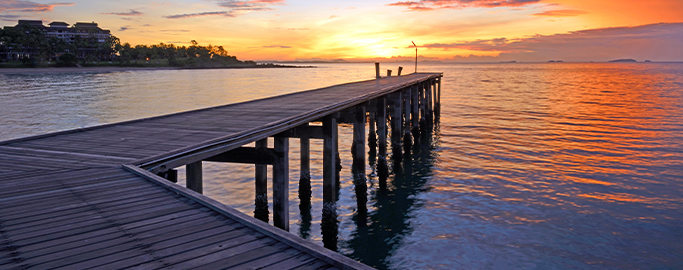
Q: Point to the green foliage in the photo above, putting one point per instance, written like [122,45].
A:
[67,60]
[30,45]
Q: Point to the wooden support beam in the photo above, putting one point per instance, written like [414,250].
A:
[382,168]
[281,184]
[193,176]
[170,175]
[358,151]
[306,130]
[438,96]
[429,95]
[396,133]
[407,139]
[329,159]
[372,134]
[305,173]
[346,118]
[415,112]
[261,183]
[423,107]
[248,155]
[382,125]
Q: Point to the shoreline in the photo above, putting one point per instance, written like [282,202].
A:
[77,69]
[122,69]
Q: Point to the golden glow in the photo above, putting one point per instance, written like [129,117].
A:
[285,30]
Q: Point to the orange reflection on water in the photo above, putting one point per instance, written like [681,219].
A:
[619,197]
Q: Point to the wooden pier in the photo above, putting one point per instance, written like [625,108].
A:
[103,197]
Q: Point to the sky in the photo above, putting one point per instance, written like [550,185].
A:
[382,30]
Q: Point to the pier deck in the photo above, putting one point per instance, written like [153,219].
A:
[90,197]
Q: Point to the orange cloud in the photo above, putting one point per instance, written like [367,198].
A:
[561,13]
[28,6]
[423,5]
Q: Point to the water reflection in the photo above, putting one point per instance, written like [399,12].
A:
[379,234]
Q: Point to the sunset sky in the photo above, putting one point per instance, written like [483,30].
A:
[445,30]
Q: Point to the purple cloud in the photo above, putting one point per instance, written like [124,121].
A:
[28,6]
[132,12]
[201,14]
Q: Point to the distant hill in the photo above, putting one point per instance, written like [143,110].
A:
[623,61]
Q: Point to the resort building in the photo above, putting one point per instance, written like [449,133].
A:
[70,35]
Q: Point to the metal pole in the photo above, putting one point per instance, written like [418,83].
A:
[415,56]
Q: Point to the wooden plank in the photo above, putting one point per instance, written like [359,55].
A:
[277,234]
[154,224]
[175,253]
[118,245]
[262,254]
[291,262]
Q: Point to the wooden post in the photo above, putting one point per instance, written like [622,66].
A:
[382,168]
[329,159]
[399,71]
[377,71]
[372,134]
[407,139]
[439,95]
[305,174]
[396,126]
[437,113]
[329,223]
[261,185]
[281,184]
[428,95]
[423,108]
[359,139]
[415,112]
[388,72]
[193,176]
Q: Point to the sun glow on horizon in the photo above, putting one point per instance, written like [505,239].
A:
[289,30]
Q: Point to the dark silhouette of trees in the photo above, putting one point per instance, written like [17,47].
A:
[30,45]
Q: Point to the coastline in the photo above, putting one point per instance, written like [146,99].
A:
[77,69]
[121,69]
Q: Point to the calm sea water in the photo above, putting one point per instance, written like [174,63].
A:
[546,166]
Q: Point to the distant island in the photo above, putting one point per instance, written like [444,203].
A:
[555,61]
[623,61]
[508,62]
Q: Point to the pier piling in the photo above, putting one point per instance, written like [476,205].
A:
[261,184]
[193,176]
[281,184]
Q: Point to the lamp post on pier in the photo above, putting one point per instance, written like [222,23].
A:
[415,56]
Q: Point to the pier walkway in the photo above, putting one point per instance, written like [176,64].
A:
[100,197]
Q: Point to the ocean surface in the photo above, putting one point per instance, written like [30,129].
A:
[532,166]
